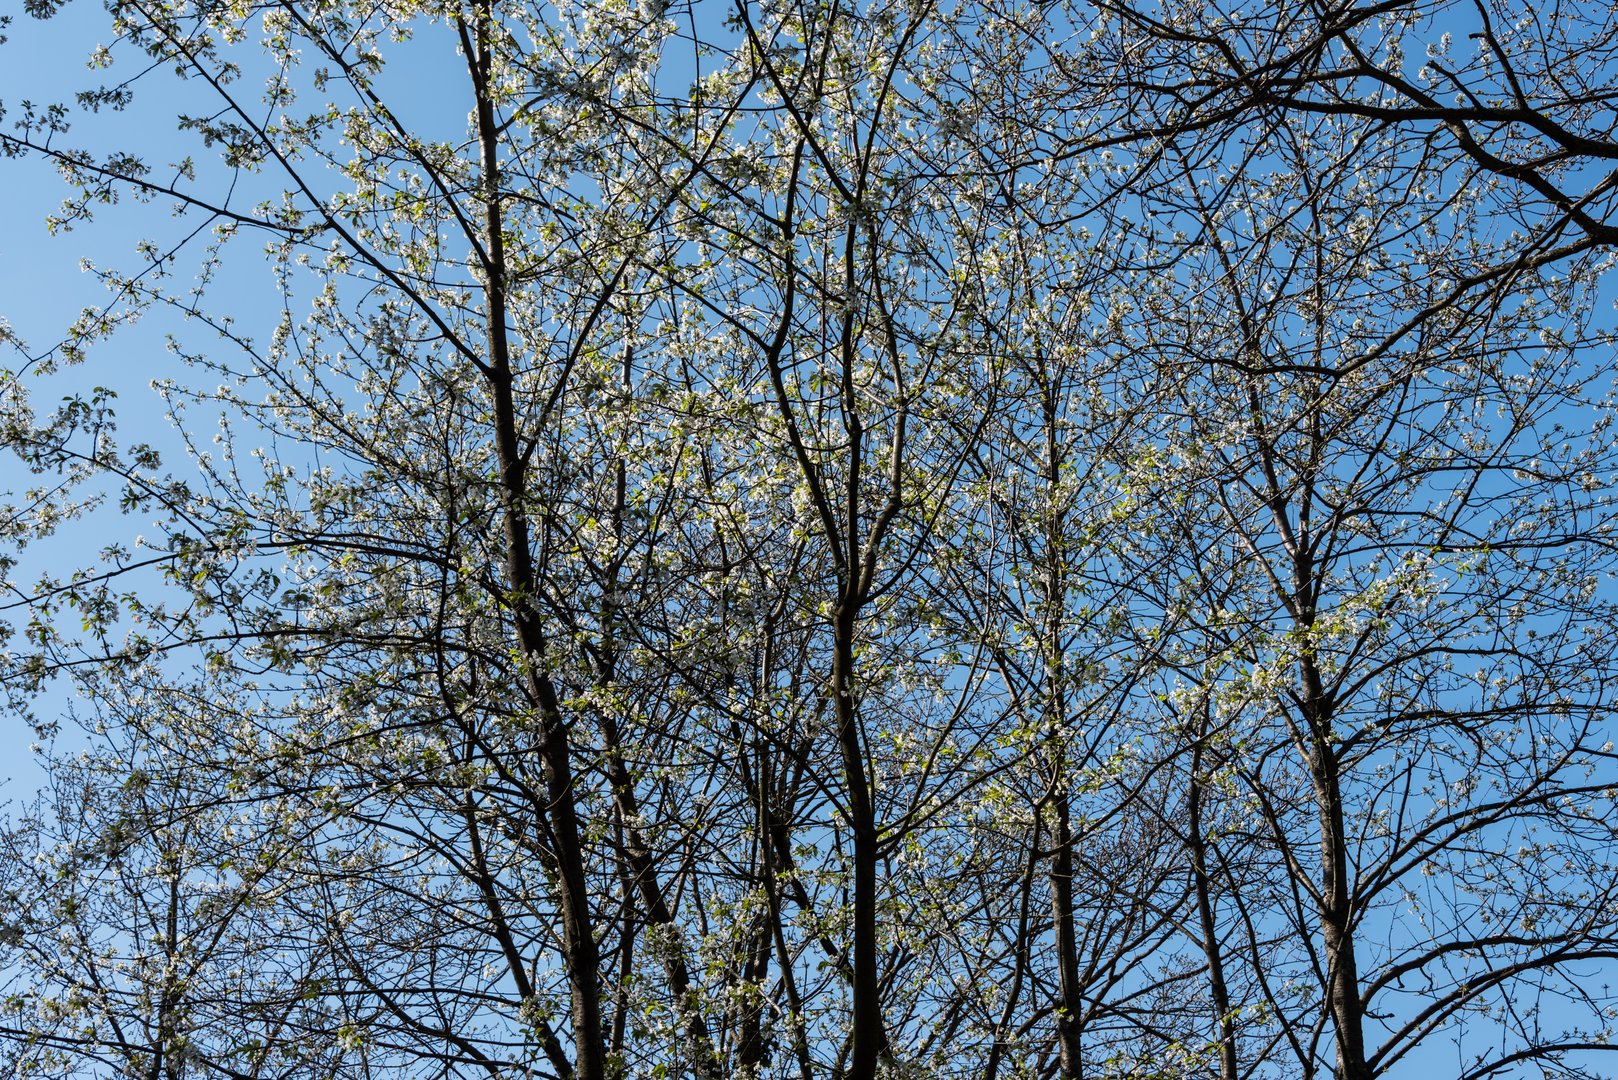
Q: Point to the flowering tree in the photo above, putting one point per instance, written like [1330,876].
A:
[822,540]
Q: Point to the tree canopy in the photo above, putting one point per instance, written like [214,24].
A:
[819,539]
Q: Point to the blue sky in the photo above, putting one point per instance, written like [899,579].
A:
[42,287]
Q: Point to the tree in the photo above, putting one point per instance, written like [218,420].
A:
[404,642]
[1396,561]
[824,540]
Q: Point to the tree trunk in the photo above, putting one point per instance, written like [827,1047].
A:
[1336,911]
[1069,1004]
[868,1040]
[560,813]
[1217,988]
